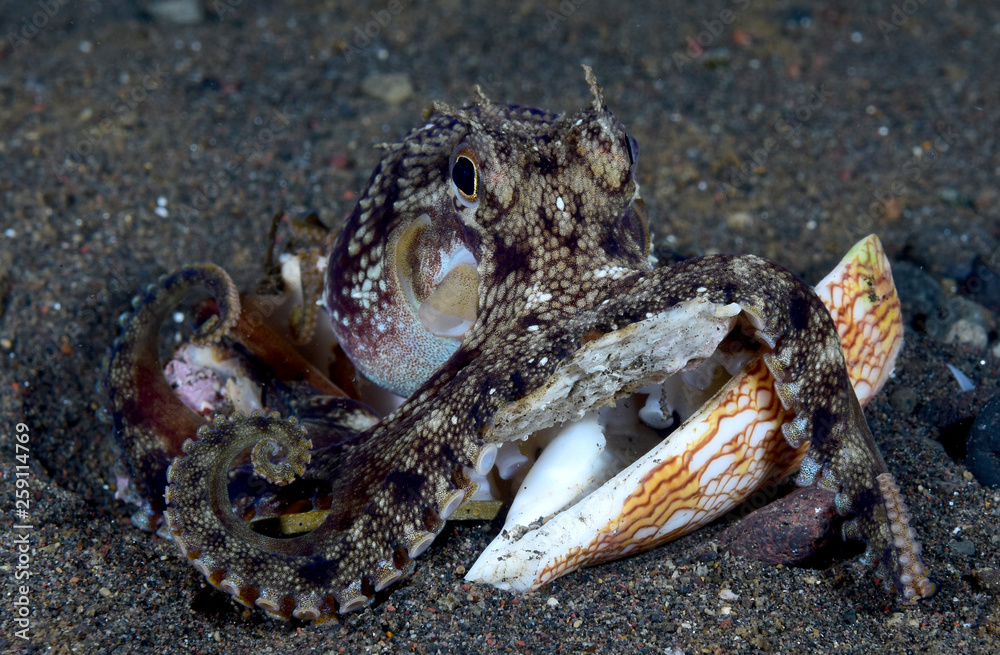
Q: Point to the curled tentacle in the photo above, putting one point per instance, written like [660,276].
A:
[292,464]
[225,550]
[287,577]
[150,421]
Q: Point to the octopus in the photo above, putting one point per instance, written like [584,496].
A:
[497,274]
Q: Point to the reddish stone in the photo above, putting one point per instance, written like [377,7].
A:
[790,531]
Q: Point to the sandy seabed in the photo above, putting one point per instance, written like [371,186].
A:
[131,145]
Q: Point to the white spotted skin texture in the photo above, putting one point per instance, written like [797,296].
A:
[558,232]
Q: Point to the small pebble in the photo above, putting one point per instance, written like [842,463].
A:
[904,400]
[179,12]
[740,220]
[393,88]
[788,531]
[966,333]
[987,580]
[963,548]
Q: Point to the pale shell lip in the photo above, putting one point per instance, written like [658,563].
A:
[668,491]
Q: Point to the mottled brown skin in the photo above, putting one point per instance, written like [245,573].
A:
[561,243]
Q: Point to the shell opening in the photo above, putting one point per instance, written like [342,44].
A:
[556,467]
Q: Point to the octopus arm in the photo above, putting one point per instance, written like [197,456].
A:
[150,421]
[306,576]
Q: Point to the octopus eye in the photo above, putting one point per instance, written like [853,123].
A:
[465,177]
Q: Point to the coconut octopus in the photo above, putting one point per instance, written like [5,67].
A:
[496,273]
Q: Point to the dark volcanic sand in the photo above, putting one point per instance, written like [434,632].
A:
[259,109]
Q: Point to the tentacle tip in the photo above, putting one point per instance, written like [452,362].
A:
[274,434]
[913,583]
[927,589]
[912,590]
